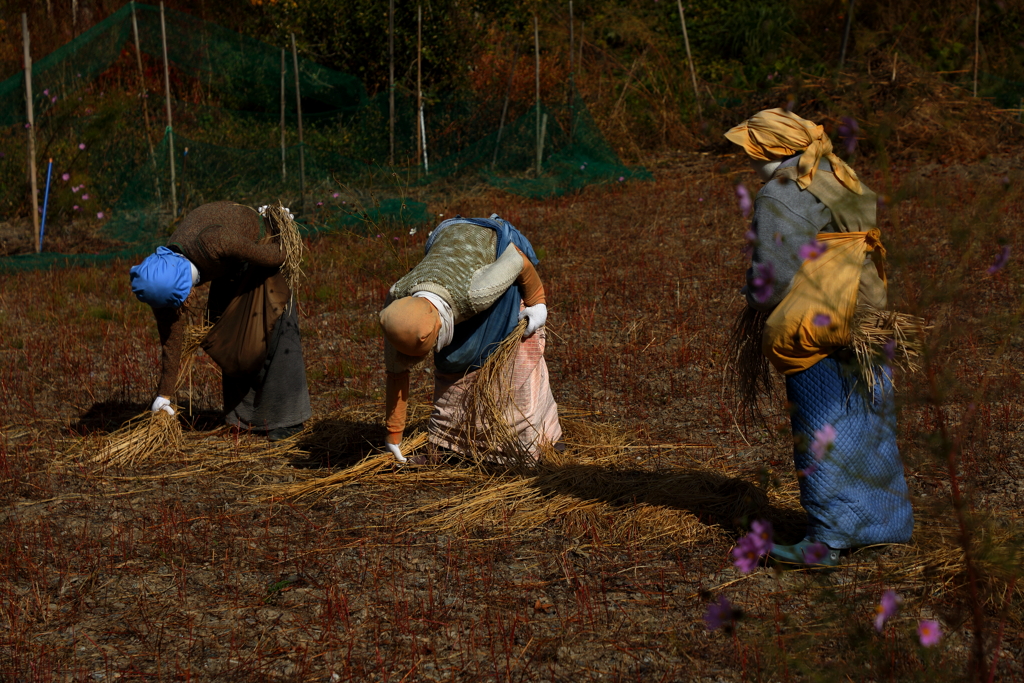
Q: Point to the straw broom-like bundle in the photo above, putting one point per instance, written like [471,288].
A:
[488,409]
[282,228]
[140,438]
[873,329]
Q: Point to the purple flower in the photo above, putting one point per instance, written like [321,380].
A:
[81,145]
[886,608]
[848,130]
[929,632]
[812,250]
[53,99]
[28,125]
[749,549]
[583,167]
[622,178]
[822,320]
[719,613]
[807,471]
[1001,260]
[395,238]
[319,203]
[746,555]
[823,441]
[815,552]
[700,199]
[75,207]
[335,195]
[889,349]
[763,283]
[746,204]
[85,197]
[76,188]
[66,177]
[99,215]
[47,92]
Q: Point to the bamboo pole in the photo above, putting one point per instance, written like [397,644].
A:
[977,27]
[572,75]
[31,132]
[170,122]
[846,33]
[298,106]
[423,132]
[536,62]
[504,108]
[419,75]
[142,81]
[689,58]
[284,167]
[391,82]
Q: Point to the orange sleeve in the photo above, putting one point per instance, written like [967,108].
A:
[397,403]
[530,284]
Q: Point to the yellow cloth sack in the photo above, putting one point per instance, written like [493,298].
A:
[794,336]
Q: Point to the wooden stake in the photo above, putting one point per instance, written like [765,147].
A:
[391,81]
[419,78]
[298,106]
[142,81]
[284,168]
[536,61]
[846,33]
[504,108]
[31,133]
[572,76]
[689,58]
[170,122]
[977,26]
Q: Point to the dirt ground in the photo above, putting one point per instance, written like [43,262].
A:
[197,564]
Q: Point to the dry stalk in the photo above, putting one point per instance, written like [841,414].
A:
[281,227]
[141,438]
[880,337]
[192,341]
[488,409]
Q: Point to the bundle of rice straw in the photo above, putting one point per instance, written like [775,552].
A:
[489,409]
[194,335]
[886,337]
[142,437]
[282,228]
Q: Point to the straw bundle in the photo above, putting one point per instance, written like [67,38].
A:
[488,409]
[192,340]
[282,228]
[142,437]
[881,337]
[753,371]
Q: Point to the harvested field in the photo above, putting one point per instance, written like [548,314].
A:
[219,556]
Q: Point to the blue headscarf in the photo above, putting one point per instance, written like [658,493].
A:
[163,279]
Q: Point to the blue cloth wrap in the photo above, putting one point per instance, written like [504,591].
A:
[475,339]
[857,495]
[163,279]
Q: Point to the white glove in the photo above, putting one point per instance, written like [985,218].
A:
[161,403]
[396,450]
[263,211]
[537,315]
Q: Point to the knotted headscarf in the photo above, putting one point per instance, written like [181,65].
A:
[411,324]
[777,134]
[163,279]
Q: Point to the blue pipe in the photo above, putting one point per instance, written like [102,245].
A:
[46,201]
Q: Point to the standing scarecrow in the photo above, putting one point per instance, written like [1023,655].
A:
[816,265]
[474,284]
[255,335]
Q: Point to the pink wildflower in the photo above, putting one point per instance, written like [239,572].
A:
[815,552]
[85,197]
[929,632]
[81,145]
[888,606]
[66,177]
[824,440]
[1001,260]
[720,613]
[745,203]
[763,283]
[812,250]
[822,320]
[100,215]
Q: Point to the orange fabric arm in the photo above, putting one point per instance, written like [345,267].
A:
[530,284]
[397,403]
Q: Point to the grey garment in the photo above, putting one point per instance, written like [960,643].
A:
[277,395]
[785,219]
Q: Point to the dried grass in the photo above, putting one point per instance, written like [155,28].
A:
[192,341]
[873,329]
[281,227]
[143,437]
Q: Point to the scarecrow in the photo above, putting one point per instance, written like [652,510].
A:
[255,333]
[817,264]
[475,283]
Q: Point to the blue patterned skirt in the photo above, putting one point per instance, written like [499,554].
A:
[856,494]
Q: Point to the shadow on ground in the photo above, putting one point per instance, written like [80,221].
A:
[336,442]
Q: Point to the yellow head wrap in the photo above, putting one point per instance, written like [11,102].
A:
[776,134]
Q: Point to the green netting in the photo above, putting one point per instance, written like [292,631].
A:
[111,169]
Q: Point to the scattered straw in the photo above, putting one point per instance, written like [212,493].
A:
[144,436]
[282,228]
